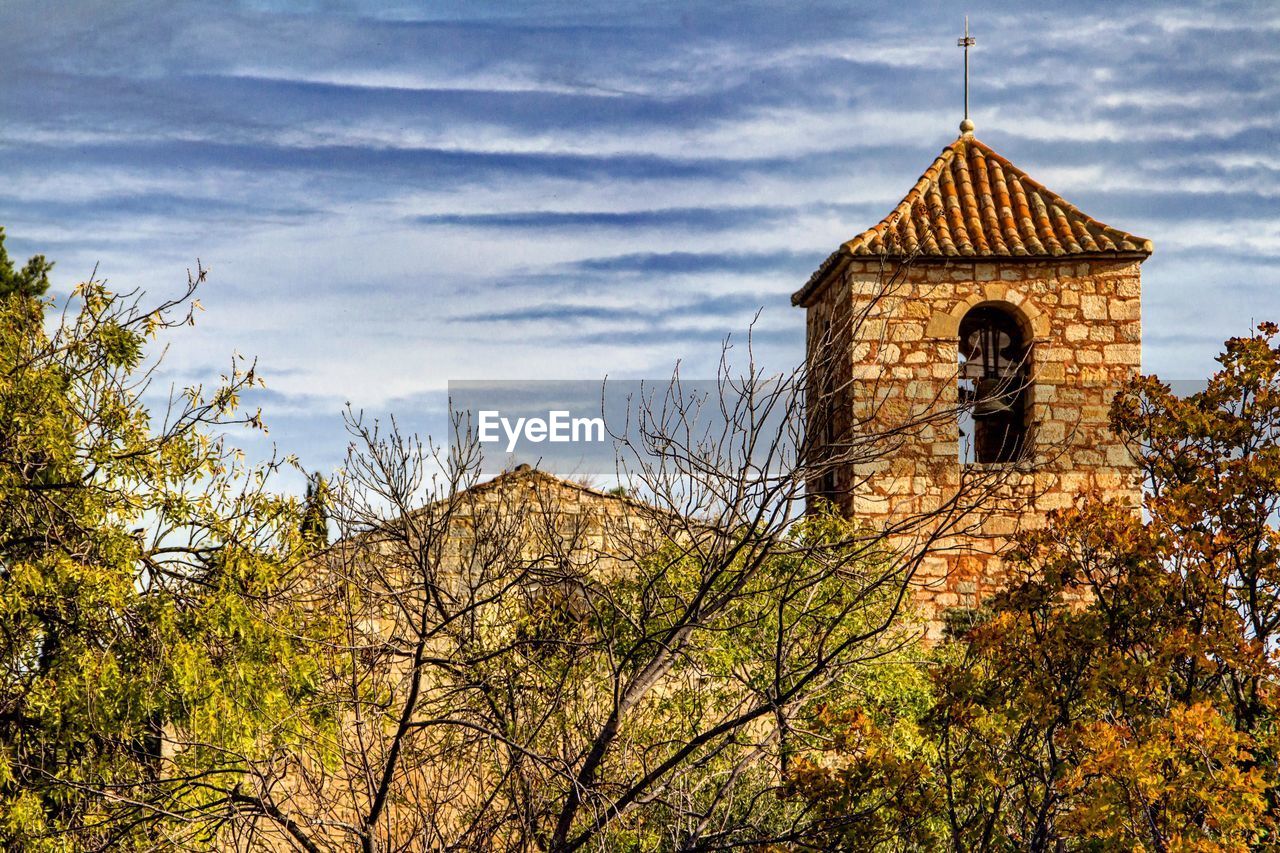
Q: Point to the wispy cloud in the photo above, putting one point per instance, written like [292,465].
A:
[391,195]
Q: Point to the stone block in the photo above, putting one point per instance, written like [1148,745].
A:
[1125,309]
[1093,307]
[1051,373]
[868,505]
[1072,482]
[1052,500]
[1129,287]
[1050,354]
[1087,458]
[906,332]
[942,325]
[1118,454]
[1067,414]
[915,309]
[1051,432]
[869,330]
[1000,525]
[1123,353]
[996,292]
[1106,478]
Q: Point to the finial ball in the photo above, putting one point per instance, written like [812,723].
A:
[966,126]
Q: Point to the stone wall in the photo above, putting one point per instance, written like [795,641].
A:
[897,345]
[493,550]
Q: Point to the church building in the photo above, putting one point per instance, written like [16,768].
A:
[971,342]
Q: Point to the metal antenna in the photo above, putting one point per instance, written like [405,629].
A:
[967,42]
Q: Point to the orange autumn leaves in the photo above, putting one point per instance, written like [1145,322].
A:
[1121,694]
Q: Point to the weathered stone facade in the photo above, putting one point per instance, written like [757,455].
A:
[522,543]
[888,328]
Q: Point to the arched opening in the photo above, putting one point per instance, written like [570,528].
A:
[994,378]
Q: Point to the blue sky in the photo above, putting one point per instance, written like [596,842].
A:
[393,195]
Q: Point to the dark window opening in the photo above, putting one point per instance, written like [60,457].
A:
[823,408]
[994,374]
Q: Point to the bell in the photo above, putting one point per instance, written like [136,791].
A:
[991,398]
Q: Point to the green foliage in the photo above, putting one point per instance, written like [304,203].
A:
[143,650]
[32,280]
[810,600]
[315,513]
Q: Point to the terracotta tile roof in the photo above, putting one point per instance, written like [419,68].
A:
[973,204]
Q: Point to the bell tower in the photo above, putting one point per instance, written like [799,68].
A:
[970,343]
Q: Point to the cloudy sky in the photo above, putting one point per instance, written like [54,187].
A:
[393,195]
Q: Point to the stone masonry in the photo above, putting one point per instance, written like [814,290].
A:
[884,315]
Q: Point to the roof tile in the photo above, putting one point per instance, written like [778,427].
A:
[972,203]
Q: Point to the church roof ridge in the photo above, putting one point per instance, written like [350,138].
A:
[973,204]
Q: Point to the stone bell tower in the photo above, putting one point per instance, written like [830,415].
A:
[978,333]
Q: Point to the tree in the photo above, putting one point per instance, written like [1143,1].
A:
[30,281]
[1122,692]
[520,664]
[138,566]
[315,514]
[528,664]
